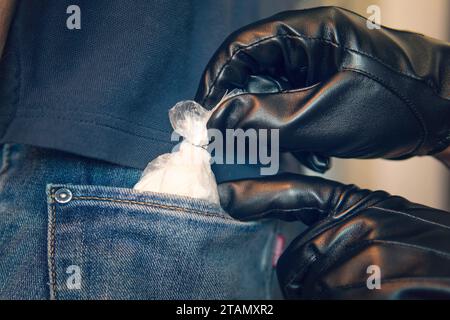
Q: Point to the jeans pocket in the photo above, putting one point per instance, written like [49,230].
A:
[117,243]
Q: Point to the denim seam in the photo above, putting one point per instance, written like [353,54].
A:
[109,259]
[51,248]
[81,253]
[156,205]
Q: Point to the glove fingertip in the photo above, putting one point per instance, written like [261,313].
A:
[314,162]
[228,114]
[225,195]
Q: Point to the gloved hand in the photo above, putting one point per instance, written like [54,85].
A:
[333,86]
[350,231]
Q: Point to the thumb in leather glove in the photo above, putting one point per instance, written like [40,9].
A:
[350,231]
[338,88]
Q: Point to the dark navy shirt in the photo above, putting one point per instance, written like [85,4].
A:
[103,91]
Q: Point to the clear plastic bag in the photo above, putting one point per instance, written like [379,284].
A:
[187,171]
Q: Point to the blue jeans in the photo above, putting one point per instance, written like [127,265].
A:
[71,228]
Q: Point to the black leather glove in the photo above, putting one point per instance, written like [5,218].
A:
[350,230]
[332,86]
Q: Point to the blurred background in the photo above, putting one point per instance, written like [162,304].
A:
[424,179]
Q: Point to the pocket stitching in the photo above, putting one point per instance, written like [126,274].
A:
[51,249]
[152,204]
